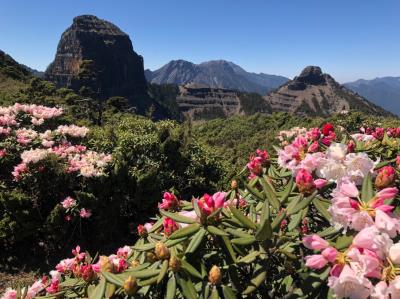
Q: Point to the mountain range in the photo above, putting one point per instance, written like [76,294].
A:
[96,59]
[383,91]
[215,74]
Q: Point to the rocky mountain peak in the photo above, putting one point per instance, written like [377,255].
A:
[90,23]
[106,49]
[316,93]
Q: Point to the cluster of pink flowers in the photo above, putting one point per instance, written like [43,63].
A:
[72,208]
[368,268]
[72,130]
[257,162]
[169,201]
[77,266]
[336,163]
[38,145]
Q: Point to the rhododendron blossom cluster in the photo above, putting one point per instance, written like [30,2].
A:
[33,141]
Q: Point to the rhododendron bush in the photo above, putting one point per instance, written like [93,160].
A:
[318,219]
[61,183]
[43,166]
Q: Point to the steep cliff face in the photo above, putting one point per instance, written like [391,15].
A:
[119,68]
[200,102]
[315,93]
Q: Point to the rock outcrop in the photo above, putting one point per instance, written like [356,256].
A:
[200,102]
[119,69]
[315,93]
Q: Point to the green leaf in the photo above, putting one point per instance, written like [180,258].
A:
[171,288]
[242,218]
[254,192]
[177,217]
[367,190]
[228,293]
[265,230]
[228,247]
[196,241]
[156,225]
[343,242]
[322,207]
[214,294]
[258,278]
[142,274]
[270,192]
[249,258]
[163,271]
[98,292]
[144,247]
[190,269]
[196,208]
[216,231]
[295,221]
[243,241]
[286,192]
[275,225]
[187,287]
[114,279]
[303,203]
[185,232]
[171,243]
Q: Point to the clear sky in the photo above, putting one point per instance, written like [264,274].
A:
[350,39]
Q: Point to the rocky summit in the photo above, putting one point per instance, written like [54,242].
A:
[90,41]
[316,93]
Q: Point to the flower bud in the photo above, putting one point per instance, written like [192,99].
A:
[304,181]
[385,177]
[135,263]
[215,275]
[150,257]
[234,184]
[130,286]
[175,264]
[142,231]
[162,252]
[105,264]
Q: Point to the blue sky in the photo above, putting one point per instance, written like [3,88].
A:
[350,39]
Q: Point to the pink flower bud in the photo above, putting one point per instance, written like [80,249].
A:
[313,148]
[142,231]
[320,183]
[316,261]
[330,254]
[304,181]
[315,242]
[169,226]
[385,177]
[351,146]
[169,201]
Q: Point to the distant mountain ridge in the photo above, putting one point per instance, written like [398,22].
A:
[215,74]
[384,91]
[314,93]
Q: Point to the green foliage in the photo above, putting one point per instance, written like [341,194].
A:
[252,103]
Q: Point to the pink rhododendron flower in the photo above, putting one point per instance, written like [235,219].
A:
[169,226]
[330,254]
[54,287]
[209,204]
[68,202]
[9,294]
[124,252]
[304,181]
[3,153]
[85,213]
[169,201]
